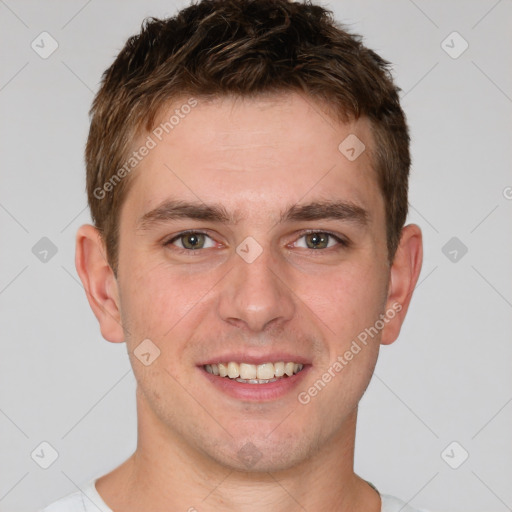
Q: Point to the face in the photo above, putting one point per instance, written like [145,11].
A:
[248,240]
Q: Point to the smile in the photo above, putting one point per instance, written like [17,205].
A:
[254,373]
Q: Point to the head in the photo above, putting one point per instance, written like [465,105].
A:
[276,139]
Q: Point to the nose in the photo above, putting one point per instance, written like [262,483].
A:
[256,295]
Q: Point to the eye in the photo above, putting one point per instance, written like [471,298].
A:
[320,240]
[194,240]
[191,240]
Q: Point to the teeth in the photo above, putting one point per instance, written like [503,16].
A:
[265,371]
[279,369]
[223,370]
[248,371]
[256,381]
[288,369]
[233,370]
[252,373]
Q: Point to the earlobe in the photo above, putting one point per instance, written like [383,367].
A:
[404,274]
[99,282]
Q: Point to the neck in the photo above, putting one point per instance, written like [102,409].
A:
[165,474]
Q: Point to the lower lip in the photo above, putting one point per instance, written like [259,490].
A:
[256,392]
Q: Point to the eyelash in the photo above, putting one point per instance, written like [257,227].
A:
[342,242]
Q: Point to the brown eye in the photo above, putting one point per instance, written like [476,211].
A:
[317,240]
[191,241]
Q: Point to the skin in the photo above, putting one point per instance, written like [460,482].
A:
[312,302]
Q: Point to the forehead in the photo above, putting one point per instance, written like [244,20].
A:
[254,155]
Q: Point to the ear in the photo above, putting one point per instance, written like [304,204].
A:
[404,274]
[99,282]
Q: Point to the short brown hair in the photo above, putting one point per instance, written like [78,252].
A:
[242,48]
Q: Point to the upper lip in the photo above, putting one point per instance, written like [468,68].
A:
[271,357]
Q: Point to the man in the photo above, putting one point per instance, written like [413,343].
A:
[247,174]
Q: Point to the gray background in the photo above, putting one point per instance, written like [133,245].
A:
[448,376]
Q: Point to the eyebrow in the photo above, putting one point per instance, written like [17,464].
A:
[317,210]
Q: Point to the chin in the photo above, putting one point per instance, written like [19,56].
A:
[263,453]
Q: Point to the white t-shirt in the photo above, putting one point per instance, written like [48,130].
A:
[89,500]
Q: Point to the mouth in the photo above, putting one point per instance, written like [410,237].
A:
[255,381]
[254,373]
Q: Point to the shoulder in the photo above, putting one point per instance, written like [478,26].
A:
[71,503]
[85,500]
[393,504]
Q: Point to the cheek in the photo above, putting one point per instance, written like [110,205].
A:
[346,301]
[159,307]
[152,300]
[163,304]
